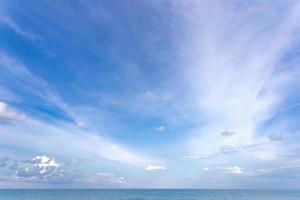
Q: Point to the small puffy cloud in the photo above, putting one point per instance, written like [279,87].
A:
[160,129]
[233,170]
[119,180]
[227,133]
[44,164]
[81,124]
[155,168]
[149,94]
[8,115]
[205,168]
[39,166]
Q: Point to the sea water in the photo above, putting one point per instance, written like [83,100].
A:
[146,194]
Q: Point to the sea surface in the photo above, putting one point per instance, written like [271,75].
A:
[146,194]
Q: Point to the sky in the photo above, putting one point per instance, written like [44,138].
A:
[150,94]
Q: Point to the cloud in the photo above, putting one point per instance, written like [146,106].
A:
[4,162]
[81,124]
[229,58]
[8,163]
[160,129]
[60,133]
[205,168]
[38,167]
[280,173]
[233,170]
[44,164]
[155,168]
[55,136]
[108,177]
[43,169]
[276,137]
[15,27]
[227,133]
[233,81]
[35,86]
[101,178]
[200,156]
[260,149]
[230,149]
[7,95]
[8,115]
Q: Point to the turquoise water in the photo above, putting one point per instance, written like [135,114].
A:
[141,194]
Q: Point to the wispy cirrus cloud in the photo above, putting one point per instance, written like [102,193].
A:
[60,133]
[54,136]
[218,76]
[233,67]
[14,26]
[18,73]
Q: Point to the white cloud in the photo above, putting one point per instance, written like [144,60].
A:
[76,142]
[9,115]
[38,167]
[232,81]
[231,69]
[44,163]
[150,94]
[233,170]
[205,168]
[160,129]
[155,168]
[43,169]
[35,85]
[81,124]
[55,135]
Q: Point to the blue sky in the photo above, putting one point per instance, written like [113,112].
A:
[149,94]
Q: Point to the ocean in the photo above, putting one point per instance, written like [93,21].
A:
[146,194]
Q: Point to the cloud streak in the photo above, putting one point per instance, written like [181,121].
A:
[233,170]
[155,168]
[233,68]
[8,115]
[54,135]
